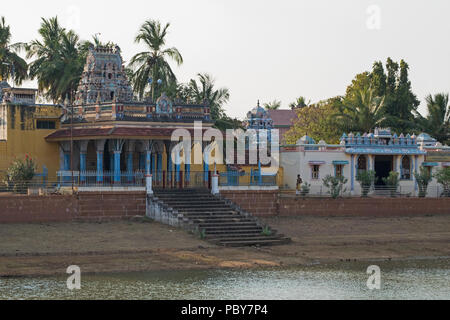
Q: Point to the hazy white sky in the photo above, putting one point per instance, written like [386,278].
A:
[268,49]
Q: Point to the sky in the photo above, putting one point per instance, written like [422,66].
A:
[267,50]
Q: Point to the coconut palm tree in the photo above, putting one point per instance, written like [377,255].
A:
[363,112]
[59,60]
[204,92]
[437,122]
[274,105]
[11,64]
[153,64]
[300,102]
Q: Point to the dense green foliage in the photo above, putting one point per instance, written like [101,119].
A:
[19,174]
[392,181]
[153,64]
[366,179]
[423,178]
[443,178]
[335,184]
[380,98]
[59,60]
[9,56]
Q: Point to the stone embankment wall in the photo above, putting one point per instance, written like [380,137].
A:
[84,206]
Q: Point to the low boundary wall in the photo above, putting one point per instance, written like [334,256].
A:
[97,206]
[92,206]
[269,203]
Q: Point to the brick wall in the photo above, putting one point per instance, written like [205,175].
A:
[84,206]
[269,203]
[382,207]
[24,209]
[97,205]
[259,203]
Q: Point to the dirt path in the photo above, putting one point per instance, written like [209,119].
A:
[47,249]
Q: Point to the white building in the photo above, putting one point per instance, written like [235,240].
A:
[380,151]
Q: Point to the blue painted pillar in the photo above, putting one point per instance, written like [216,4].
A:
[148,162]
[159,166]
[187,172]
[416,186]
[152,164]
[99,166]
[117,167]
[352,167]
[177,166]
[111,162]
[66,167]
[130,166]
[82,166]
[66,161]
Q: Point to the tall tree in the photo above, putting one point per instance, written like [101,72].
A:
[363,112]
[437,121]
[318,121]
[274,105]
[9,56]
[59,61]
[300,102]
[204,92]
[153,64]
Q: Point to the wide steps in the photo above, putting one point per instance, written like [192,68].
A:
[220,222]
[245,243]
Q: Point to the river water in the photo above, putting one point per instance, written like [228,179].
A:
[417,279]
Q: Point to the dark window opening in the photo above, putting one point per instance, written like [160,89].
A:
[46,125]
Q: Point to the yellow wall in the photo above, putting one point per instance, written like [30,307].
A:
[24,139]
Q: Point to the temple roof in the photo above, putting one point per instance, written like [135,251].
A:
[114,132]
[282,117]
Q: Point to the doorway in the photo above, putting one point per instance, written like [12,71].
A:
[383,165]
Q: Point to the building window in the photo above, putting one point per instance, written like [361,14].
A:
[46,125]
[406,168]
[339,170]
[315,172]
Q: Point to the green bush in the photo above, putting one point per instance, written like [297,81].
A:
[392,182]
[304,189]
[365,179]
[267,232]
[443,178]
[335,185]
[19,174]
[423,178]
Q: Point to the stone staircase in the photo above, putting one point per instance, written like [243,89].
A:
[217,220]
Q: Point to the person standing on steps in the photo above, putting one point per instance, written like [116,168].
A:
[299,184]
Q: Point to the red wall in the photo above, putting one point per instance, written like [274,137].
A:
[269,203]
[84,206]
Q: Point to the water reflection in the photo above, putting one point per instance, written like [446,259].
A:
[400,280]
